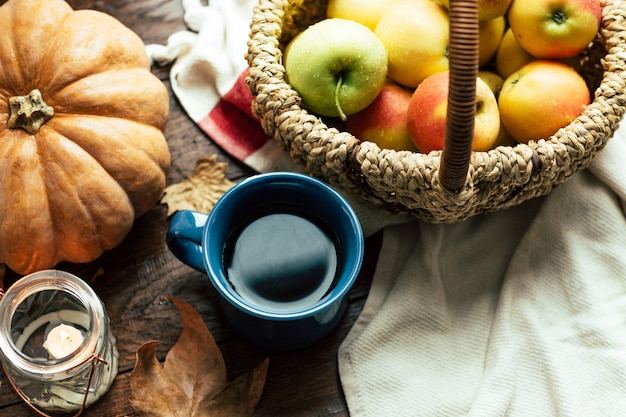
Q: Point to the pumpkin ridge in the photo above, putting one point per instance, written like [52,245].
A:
[87,206]
[29,31]
[24,197]
[144,141]
[106,94]
[134,154]
[85,51]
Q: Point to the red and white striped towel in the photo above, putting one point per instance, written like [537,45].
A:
[208,78]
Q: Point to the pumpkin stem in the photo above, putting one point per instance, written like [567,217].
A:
[29,112]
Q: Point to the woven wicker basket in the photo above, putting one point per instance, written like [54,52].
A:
[402,181]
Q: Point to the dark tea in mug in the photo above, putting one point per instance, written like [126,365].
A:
[281,262]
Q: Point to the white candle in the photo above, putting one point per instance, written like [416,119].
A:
[62,341]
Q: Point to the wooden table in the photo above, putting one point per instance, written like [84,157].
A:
[138,274]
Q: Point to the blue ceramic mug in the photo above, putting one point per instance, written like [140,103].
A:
[282,250]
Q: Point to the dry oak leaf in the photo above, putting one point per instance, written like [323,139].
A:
[192,381]
[200,191]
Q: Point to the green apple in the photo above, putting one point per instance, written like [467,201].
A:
[367,12]
[416,35]
[428,109]
[338,67]
[555,29]
[487,9]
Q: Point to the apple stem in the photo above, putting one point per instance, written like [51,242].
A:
[342,115]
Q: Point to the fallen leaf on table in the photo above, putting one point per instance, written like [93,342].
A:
[200,191]
[192,381]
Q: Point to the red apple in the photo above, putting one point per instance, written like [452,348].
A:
[555,29]
[428,109]
[384,121]
[540,98]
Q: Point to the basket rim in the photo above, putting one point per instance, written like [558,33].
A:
[597,123]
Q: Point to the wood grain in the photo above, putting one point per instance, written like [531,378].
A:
[141,271]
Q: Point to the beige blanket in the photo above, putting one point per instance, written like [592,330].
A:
[516,313]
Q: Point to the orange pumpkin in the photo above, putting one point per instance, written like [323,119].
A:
[82,151]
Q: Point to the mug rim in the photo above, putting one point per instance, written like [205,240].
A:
[220,281]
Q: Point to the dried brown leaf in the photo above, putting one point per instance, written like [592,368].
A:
[195,359]
[153,393]
[200,191]
[193,380]
[232,401]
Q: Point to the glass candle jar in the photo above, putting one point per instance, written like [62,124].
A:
[56,346]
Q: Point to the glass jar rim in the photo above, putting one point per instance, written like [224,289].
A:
[45,280]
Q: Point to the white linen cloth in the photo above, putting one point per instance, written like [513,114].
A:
[521,312]
[516,313]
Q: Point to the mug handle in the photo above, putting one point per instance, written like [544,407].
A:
[184,237]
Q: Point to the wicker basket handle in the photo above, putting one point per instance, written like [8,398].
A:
[463,58]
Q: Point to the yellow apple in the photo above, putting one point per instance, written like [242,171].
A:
[540,98]
[416,36]
[495,83]
[366,12]
[428,110]
[384,121]
[504,137]
[510,56]
[555,29]
[490,34]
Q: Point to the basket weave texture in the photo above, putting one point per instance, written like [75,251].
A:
[403,181]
